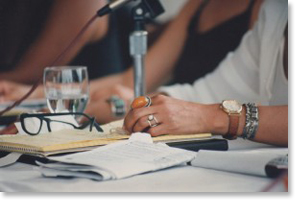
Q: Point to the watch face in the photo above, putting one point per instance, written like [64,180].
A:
[232,106]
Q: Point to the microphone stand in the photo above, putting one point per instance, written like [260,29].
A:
[147,9]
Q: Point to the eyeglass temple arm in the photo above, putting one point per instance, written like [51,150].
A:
[47,119]
[97,126]
[92,120]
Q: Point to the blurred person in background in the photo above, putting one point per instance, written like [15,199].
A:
[34,32]
[192,45]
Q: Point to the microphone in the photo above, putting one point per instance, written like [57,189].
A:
[112,6]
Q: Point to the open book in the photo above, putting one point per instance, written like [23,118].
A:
[66,141]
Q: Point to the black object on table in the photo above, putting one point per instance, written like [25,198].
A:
[209,144]
[7,120]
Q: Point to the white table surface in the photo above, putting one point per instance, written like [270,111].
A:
[24,177]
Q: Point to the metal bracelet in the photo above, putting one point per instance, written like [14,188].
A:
[118,106]
[251,122]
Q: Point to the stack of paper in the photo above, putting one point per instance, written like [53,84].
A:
[118,160]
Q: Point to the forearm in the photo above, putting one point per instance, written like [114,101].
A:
[66,19]
[273,123]
[107,82]
[163,55]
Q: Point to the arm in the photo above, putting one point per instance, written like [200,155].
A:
[273,123]
[12,91]
[181,117]
[66,19]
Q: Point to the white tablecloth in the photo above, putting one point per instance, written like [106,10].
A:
[24,177]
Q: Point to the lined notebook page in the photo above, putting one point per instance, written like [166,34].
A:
[64,139]
[72,139]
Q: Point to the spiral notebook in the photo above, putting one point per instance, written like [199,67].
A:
[66,141]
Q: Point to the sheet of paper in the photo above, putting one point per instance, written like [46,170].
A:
[60,169]
[132,157]
[9,159]
[48,172]
[240,161]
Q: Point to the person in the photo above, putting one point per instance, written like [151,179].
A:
[36,32]
[255,74]
[184,36]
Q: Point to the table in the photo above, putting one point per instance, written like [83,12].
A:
[24,177]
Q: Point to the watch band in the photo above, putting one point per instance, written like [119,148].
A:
[233,127]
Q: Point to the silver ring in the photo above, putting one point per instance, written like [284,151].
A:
[152,121]
[151,117]
[149,103]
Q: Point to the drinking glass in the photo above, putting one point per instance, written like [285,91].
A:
[66,88]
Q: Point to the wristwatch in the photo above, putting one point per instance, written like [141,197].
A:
[234,109]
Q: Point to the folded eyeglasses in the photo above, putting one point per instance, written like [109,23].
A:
[43,117]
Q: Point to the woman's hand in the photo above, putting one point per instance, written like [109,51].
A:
[173,117]
[99,106]
[11,91]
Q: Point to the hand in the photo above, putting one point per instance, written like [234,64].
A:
[173,116]
[100,108]
[11,91]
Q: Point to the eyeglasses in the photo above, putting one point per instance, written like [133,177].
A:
[40,117]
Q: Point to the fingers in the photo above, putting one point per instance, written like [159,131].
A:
[131,121]
[159,130]
[134,115]
[143,123]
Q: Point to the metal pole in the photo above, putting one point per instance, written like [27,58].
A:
[138,50]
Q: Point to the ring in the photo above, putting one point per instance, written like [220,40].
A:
[118,106]
[142,101]
[152,121]
[151,117]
